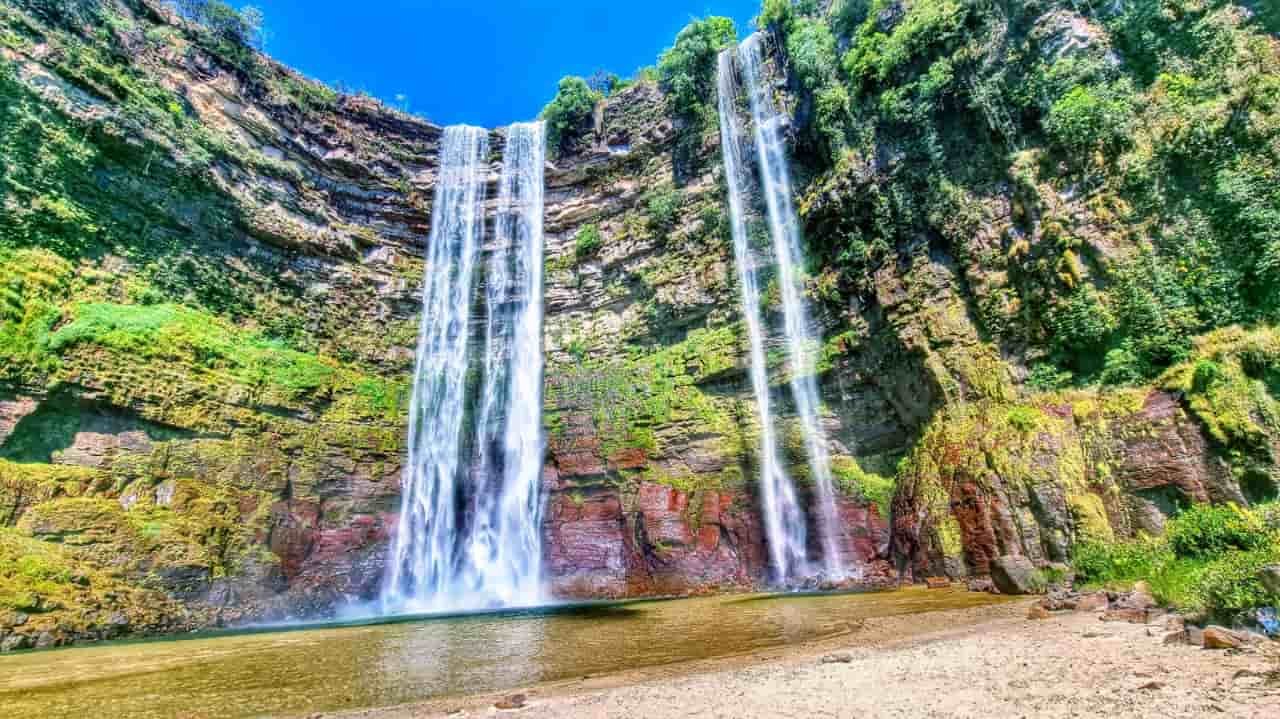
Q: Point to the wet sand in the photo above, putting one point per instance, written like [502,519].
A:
[979,662]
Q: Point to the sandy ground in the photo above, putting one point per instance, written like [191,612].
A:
[985,662]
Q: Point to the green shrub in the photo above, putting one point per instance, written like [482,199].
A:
[661,206]
[568,112]
[587,241]
[1104,562]
[1046,377]
[1024,419]
[1092,117]
[1230,583]
[1207,530]
[687,70]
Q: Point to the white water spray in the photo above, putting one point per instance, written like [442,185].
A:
[801,342]
[783,517]
[502,560]
[469,534]
[422,557]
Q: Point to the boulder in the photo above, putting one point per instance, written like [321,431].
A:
[1216,637]
[1016,575]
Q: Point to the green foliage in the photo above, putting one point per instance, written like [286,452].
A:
[1230,583]
[1103,563]
[1092,117]
[1081,323]
[687,69]
[569,111]
[1024,419]
[176,333]
[853,480]
[1209,530]
[662,205]
[1208,560]
[876,56]
[1045,377]
[587,241]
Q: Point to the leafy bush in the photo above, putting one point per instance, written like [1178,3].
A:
[1230,583]
[568,111]
[1024,419]
[661,206]
[587,241]
[1046,377]
[687,70]
[1081,323]
[1105,562]
[1092,117]
[1207,530]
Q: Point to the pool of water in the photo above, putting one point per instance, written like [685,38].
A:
[327,667]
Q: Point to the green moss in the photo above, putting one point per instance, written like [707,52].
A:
[852,480]
[1090,515]
[948,530]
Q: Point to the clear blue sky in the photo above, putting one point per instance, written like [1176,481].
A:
[482,62]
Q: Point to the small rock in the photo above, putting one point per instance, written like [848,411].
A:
[1125,614]
[937,582]
[981,584]
[1151,686]
[1038,612]
[1091,602]
[514,701]
[837,658]
[46,640]
[14,642]
[1216,637]
[1195,636]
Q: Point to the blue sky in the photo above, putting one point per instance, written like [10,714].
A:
[482,62]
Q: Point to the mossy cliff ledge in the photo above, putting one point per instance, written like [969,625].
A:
[209,293]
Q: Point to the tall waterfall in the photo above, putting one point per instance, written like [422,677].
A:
[469,533]
[801,342]
[503,551]
[783,517]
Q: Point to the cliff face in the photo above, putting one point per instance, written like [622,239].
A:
[211,271]
[214,310]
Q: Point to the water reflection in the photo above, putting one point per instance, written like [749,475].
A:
[343,667]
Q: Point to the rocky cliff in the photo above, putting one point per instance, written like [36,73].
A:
[211,267]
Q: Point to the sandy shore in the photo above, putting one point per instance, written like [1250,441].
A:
[984,662]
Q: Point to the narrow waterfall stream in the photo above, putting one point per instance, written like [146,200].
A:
[783,517]
[469,532]
[502,559]
[778,492]
[421,566]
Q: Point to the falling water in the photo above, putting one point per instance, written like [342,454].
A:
[422,556]
[801,343]
[469,534]
[783,518]
[502,559]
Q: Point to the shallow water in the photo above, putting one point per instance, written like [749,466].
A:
[327,668]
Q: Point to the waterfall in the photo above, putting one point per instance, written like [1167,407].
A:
[422,557]
[470,532]
[783,518]
[503,550]
[801,342]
